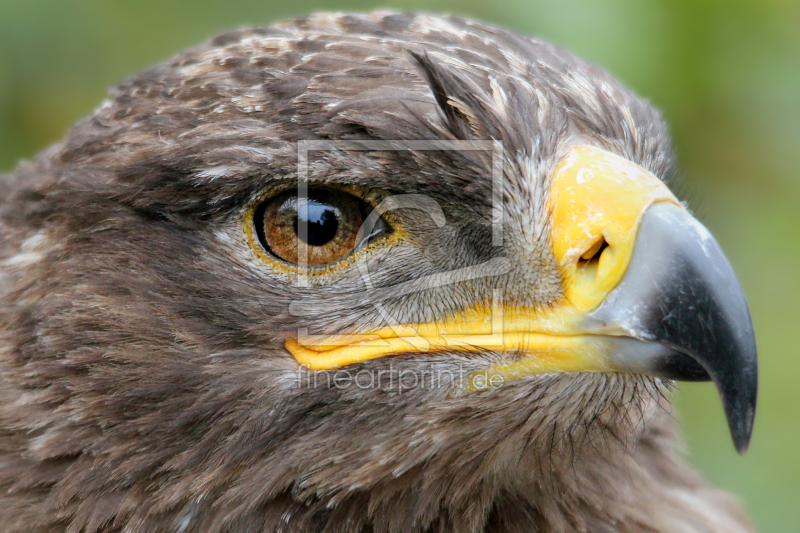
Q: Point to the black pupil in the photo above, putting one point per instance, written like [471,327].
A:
[320,220]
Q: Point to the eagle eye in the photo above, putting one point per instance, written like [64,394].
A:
[319,228]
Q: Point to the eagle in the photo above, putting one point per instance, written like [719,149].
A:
[362,273]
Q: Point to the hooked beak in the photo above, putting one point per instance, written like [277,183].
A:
[680,293]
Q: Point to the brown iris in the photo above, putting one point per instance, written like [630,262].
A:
[315,230]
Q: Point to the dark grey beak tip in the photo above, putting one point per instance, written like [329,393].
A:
[740,408]
[741,426]
[742,432]
[735,371]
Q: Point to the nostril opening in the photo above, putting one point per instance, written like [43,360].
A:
[591,257]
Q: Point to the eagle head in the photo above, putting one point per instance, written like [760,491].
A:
[361,273]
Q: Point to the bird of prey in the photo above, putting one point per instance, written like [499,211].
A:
[386,273]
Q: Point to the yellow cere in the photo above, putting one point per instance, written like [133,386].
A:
[595,196]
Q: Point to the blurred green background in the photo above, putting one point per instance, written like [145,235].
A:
[725,73]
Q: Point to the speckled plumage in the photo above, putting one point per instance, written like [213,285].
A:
[144,385]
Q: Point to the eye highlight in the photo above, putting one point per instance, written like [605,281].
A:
[316,230]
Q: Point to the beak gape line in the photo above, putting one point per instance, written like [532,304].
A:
[647,290]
